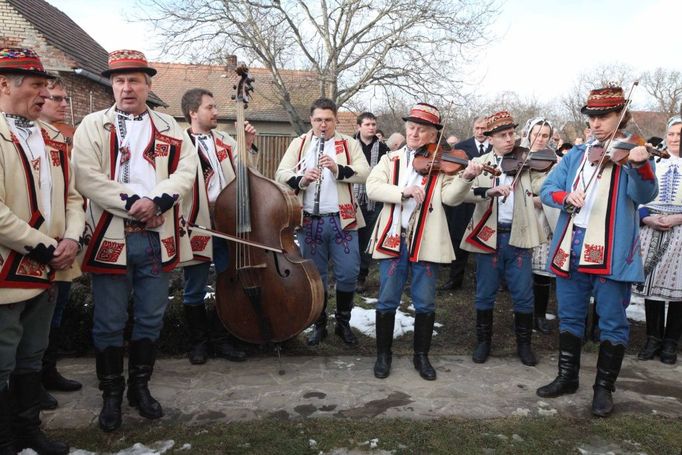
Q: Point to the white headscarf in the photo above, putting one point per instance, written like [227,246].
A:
[528,127]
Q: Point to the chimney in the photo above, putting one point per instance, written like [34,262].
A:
[231,64]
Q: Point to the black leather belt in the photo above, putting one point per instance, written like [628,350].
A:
[310,215]
[504,228]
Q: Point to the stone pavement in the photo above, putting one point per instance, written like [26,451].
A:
[345,387]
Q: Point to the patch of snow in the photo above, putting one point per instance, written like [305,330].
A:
[501,437]
[521,412]
[364,319]
[185,446]
[373,443]
[209,295]
[550,316]
[547,412]
[369,300]
[635,311]
[157,448]
[312,443]
[517,438]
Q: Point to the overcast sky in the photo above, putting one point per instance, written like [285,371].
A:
[542,45]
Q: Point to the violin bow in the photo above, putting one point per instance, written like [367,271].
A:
[222,235]
[610,139]
[525,160]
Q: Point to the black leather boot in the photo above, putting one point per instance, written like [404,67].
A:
[6,439]
[140,368]
[221,340]
[109,363]
[52,379]
[319,332]
[384,329]
[523,324]
[673,330]
[47,401]
[344,306]
[423,331]
[655,315]
[608,367]
[541,288]
[484,335]
[24,391]
[197,326]
[566,381]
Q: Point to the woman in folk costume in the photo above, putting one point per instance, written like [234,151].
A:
[661,238]
[503,232]
[536,136]
[411,234]
[595,249]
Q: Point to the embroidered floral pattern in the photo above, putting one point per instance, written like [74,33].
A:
[313,240]
[392,241]
[561,257]
[169,245]
[346,211]
[221,154]
[486,233]
[109,251]
[342,237]
[161,150]
[199,242]
[594,253]
[28,267]
[56,158]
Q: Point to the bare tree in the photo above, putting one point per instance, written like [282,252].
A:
[412,46]
[665,87]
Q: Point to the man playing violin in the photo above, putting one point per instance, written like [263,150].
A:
[322,166]
[503,232]
[215,151]
[595,250]
[411,235]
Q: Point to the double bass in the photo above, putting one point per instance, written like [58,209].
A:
[269,293]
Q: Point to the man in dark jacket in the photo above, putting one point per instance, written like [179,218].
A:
[459,216]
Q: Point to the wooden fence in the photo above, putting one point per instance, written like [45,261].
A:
[271,149]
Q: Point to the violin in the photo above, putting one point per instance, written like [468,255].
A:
[434,158]
[619,150]
[521,158]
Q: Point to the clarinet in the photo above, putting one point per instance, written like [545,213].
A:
[320,152]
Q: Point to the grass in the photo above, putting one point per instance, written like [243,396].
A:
[620,434]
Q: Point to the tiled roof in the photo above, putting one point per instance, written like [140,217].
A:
[174,79]
[63,33]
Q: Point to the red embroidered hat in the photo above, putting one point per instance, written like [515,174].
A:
[128,61]
[499,121]
[424,114]
[22,61]
[604,100]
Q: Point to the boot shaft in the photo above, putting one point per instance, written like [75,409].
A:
[523,326]
[423,331]
[608,364]
[655,318]
[484,325]
[385,322]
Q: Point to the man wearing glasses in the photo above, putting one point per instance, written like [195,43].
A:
[54,112]
[321,166]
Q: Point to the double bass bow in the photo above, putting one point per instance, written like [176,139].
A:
[269,293]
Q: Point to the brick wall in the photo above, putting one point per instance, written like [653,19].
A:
[16,31]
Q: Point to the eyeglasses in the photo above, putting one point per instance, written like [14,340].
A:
[59,99]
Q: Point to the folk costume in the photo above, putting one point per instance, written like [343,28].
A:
[216,152]
[370,209]
[503,235]
[547,217]
[39,207]
[595,251]
[459,217]
[331,235]
[119,159]
[663,263]
[410,237]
